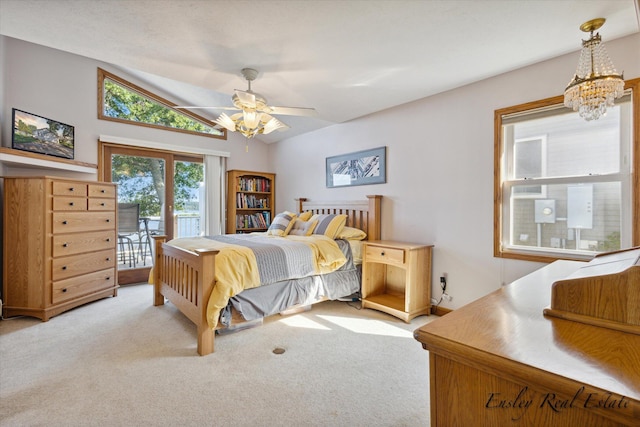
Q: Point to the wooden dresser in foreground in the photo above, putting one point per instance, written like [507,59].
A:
[59,245]
[500,361]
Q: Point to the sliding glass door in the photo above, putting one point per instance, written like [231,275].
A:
[159,193]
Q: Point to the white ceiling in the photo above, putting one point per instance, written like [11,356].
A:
[346,58]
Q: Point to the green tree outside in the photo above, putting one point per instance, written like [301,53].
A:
[141,179]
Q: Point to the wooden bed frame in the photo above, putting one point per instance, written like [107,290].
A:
[186,278]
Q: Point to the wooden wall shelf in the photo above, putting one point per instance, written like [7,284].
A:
[24,159]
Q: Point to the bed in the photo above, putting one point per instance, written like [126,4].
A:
[186,277]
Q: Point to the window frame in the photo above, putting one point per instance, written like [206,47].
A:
[103,74]
[499,150]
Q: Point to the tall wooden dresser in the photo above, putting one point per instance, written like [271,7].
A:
[59,245]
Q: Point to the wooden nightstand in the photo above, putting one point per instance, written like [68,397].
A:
[396,278]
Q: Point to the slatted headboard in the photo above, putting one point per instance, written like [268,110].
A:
[362,214]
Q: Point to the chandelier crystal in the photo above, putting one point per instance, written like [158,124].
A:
[596,84]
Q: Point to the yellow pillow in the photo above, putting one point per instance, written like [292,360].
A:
[351,233]
[302,228]
[281,224]
[329,224]
[305,216]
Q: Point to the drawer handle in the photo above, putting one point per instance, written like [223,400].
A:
[64,245]
[64,222]
[102,204]
[70,188]
[108,259]
[64,290]
[108,278]
[64,267]
[382,253]
[108,220]
[108,239]
[103,191]
[70,203]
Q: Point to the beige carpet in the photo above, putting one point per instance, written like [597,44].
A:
[122,362]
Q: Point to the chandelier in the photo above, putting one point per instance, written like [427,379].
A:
[596,83]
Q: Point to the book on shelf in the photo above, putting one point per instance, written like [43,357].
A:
[260,220]
[261,185]
[251,201]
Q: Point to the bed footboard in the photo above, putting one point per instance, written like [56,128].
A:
[186,279]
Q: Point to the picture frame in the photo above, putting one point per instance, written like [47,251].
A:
[358,168]
[37,134]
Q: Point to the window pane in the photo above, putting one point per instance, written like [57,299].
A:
[574,217]
[188,198]
[122,103]
[572,148]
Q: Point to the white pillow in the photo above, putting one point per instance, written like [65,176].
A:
[302,228]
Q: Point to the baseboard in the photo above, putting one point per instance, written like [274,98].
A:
[440,311]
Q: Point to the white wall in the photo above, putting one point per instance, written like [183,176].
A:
[63,87]
[439,186]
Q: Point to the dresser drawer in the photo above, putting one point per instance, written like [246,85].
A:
[69,204]
[62,188]
[384,255]
[72,222]
[71,244]
[101,190]
[77,265]
[102,204]
[67,289]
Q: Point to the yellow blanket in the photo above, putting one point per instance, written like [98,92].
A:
[236,267]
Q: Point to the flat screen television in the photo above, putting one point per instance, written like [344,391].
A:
[38,134]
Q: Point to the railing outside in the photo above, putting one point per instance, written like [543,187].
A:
[186,225]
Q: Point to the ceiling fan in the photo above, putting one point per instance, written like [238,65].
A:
[255,115]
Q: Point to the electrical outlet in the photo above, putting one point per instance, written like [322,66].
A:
[443,282]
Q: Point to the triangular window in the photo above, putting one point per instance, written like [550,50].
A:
[124,102]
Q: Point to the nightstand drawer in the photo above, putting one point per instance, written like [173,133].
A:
[385,255]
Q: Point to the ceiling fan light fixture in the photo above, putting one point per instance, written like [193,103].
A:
[273,124]
[251,119]
[226,122]
[255,115]
[596,83]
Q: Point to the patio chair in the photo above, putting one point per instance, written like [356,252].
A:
[128,230]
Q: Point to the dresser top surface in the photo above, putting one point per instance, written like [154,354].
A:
[509,324]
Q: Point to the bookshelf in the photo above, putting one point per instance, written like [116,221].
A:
[250,201]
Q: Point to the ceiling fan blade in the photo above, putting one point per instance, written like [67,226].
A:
[294,111]
[210,108]
[247,99]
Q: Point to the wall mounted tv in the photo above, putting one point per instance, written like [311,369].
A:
[38,134]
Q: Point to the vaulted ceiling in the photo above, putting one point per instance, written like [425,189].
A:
[345,58]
